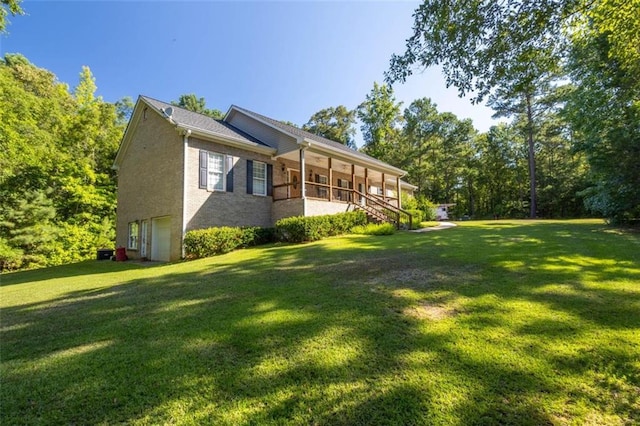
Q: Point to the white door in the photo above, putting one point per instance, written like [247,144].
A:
[161,239]
[143,238]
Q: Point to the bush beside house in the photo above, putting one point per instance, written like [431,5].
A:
[212,241]
[312,228]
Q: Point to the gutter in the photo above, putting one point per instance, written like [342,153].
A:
[251,146]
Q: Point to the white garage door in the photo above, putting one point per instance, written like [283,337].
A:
[161,239]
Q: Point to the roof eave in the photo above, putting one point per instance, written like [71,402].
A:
[131,126]
[260,120]
[216,137]
[373,163]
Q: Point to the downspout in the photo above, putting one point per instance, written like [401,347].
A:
[185,138]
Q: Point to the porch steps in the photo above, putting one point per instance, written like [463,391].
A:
[375,215]
[379,210]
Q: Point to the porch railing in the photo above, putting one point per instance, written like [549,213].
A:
[376,206]
[383,210]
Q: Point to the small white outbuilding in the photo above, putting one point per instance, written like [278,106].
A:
[442,211]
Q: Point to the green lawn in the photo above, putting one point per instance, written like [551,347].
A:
[487,323]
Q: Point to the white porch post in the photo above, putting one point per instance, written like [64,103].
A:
[399,191]
[384,188]
[366,181]
[303,189]
[303,175]
[353,183]
[330,181]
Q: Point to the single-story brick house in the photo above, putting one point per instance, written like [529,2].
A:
[179,170]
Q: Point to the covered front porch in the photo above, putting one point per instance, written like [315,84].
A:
[313,182]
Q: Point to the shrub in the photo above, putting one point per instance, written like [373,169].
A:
[416,218]
[428,209]
[10,257]
[312,228]
[254,236]
[212,241]
[374,229]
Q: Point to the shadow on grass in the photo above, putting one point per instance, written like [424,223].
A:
[87,267]
[490,325]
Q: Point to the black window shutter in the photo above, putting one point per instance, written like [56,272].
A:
[317,178]
[204,174]
[249,176]
[270,179]
[229,173]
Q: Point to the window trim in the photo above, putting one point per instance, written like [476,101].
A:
[210,172]
[133,241]
[228,164]
[264,179]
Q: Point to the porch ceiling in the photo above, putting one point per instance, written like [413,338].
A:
[321,161]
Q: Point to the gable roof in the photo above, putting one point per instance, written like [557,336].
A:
[195,120]
[207,127]
[308,136]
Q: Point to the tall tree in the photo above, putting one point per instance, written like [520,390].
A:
[335,124]
[486,45]
[604,105]
[193,103]
[435,147]
[421,133]
[501,172]
[380,117]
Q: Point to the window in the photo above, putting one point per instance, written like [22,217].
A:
[215,168]
[132,243]
[322,190]
[259,178]
[343,195]
[216,171]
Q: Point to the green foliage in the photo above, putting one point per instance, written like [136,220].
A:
[56,181]
[427,208]
[211,241]
[379,115]
[201,243]
[10,257]
[335,124]
[193,103]
[6,7]
[417,216]
[604,106]
[436,147]
[26,224]
[255,235]
[486,44]
[312,228]
[374,229]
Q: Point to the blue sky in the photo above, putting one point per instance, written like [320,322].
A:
[285,60]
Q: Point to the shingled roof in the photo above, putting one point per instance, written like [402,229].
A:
[203,122]
[295,131]
[194,120]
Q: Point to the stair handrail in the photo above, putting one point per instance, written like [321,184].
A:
[397,210]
